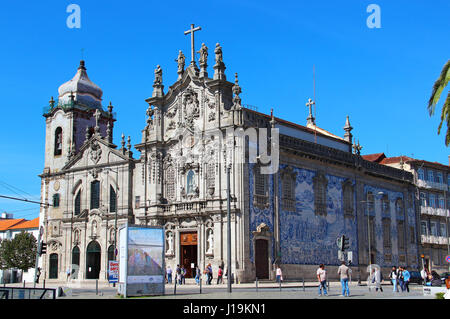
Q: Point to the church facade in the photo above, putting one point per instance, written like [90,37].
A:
[294,189]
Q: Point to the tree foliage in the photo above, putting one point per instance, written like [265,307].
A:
[19,252]
[438,88]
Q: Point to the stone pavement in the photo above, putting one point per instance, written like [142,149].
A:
[265,290]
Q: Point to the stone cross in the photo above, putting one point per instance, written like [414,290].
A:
[97,115]
[310,118]
[191,31]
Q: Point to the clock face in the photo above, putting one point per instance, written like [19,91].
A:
[56,186]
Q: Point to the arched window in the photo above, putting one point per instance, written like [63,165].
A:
[112,200]
[399,207]
[77,204]
[76,256]
[58,141]
[53,266]
[320,183]
[56,199]
[95,194]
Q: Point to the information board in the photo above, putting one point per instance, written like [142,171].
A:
[141,256]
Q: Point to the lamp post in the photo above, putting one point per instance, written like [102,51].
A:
[228,230]
[115,217]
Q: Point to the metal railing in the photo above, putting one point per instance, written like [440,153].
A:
[27,293]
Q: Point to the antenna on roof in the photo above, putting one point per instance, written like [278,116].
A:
[314,97]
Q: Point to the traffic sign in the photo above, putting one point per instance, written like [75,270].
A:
[447,258]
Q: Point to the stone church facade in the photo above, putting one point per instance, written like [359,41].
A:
[317,189]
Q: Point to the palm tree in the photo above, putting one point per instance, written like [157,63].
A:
[438,87]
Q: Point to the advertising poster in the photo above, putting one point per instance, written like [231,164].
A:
[113,271]
[144,261]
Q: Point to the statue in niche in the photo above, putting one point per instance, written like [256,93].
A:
[210,241]
[169,243]
[94,228]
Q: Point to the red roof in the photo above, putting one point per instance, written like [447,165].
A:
[27,224]
[377,157]
[6,224]
[396,159]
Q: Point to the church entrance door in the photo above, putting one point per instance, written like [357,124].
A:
[93,255]
[188,252]
[262,259]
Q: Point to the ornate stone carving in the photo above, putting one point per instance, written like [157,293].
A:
[191,108]
[95,152]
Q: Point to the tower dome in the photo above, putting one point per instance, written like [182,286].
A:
[84,91]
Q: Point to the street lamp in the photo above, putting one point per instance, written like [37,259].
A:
[115,217]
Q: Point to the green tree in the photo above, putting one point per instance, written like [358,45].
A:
[438,87]
[19,252]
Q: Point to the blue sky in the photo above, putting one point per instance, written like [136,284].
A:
[381,78]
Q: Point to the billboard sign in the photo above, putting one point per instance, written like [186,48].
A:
[141,256]
[113,271]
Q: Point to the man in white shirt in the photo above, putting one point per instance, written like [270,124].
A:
[322,277]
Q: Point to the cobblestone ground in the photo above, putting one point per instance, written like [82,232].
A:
[246,291]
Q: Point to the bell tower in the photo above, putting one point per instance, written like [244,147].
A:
[73,118]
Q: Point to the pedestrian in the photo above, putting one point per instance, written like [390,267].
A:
[220,275]
[400,278]
[68,273]
[322,278]
[406,278]
[38,274]
[169,274]
[378,279]
[344,273]
[279,274]
[183,275]
[197,275]
[178,275]
[393,276]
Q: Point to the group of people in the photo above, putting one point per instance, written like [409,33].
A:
[400,277]
[344,273]
[430,278]
[180,274]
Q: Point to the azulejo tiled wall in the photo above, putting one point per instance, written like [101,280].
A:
[310,239]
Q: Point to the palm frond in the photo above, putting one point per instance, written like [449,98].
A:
[438,87]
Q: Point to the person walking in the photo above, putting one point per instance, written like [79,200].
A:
[220,275]
[378,277]
[344,273]
[393,276]
[322,278]
[209,274]
[279,274]
[401,281]
[197,275]
[169,274]
[406,278]
[178,274]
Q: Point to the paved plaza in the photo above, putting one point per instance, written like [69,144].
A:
[267,290]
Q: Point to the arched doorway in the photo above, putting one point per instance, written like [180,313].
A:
[53,267]
[93,256]
[262,259]
[75,262]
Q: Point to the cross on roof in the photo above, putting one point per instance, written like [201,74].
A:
[191,31]
[310,118]
[97,115]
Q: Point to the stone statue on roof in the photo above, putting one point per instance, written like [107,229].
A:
[203,55]
[181,61]
[158,75]
[218,52]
